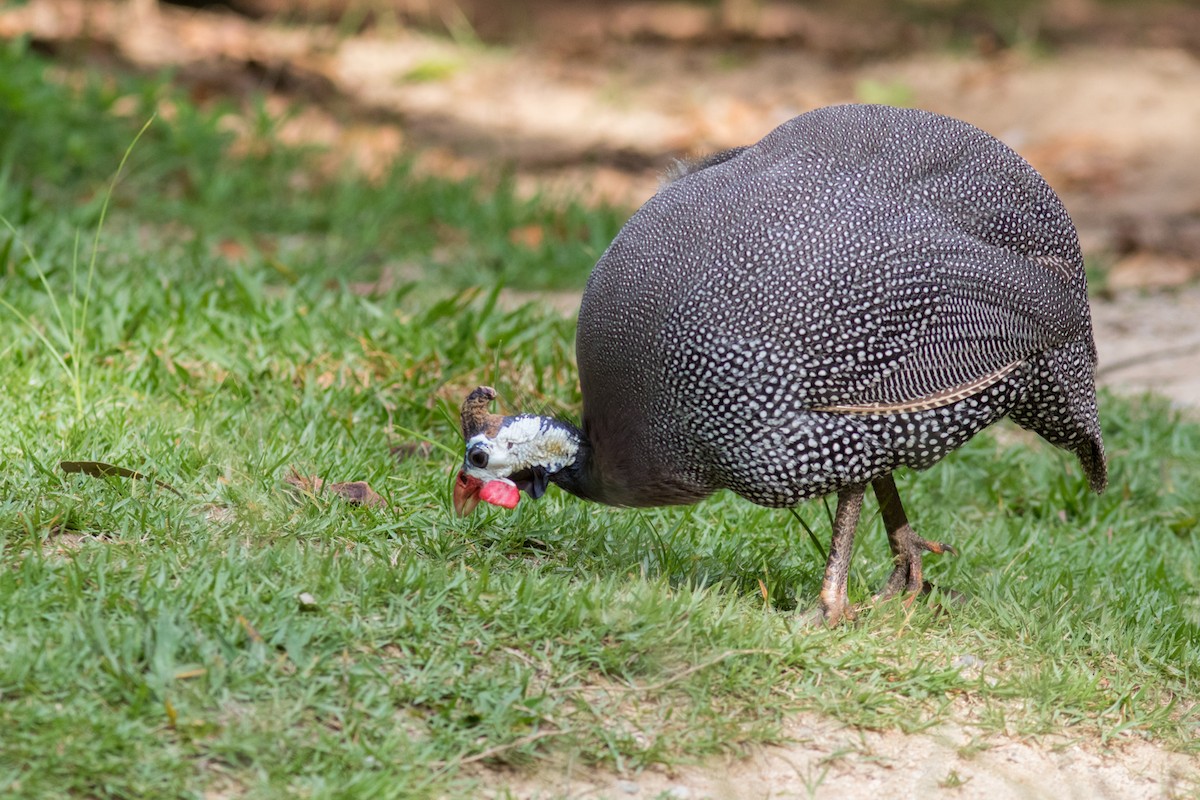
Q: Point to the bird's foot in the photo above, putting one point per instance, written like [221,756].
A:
[829,612]
[908,577]
[902,581]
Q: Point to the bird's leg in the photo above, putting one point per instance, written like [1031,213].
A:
[907,546]
[835,602]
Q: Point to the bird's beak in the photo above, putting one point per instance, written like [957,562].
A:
[469,490]
[466,494]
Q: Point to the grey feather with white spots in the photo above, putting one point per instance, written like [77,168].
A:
[865,288]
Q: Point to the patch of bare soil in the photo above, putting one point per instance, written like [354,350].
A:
[827,760]
[1150,342]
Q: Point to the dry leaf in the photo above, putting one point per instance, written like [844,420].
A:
[98,469]
[357,492]
[305,483]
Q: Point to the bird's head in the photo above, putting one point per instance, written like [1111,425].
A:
[508,455]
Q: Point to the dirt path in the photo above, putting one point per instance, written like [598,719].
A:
[1151,343]
[826,760]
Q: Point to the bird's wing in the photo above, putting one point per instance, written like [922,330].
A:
[928,318]
[988,310]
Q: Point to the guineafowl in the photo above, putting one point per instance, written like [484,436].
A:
[864,289]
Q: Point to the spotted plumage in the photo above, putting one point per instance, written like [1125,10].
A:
[864,289]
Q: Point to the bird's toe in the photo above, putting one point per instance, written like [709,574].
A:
[937,547]
[827,615]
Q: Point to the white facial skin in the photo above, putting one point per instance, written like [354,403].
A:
[523,443]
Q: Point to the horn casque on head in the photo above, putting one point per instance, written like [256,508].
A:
[476,418]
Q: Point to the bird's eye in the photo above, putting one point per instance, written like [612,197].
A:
[477,457]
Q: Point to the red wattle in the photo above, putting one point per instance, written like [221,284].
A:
[500,493]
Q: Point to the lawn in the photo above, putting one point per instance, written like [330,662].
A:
[229,322]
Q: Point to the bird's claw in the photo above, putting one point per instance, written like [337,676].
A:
[829,615]
[936,547]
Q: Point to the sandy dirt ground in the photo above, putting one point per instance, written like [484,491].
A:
[825,760]
[1113,128]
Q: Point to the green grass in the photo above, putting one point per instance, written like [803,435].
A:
[152,646]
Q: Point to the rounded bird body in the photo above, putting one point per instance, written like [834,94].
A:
[858,259]
[866,288]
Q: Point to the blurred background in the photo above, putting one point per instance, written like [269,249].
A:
[590,101]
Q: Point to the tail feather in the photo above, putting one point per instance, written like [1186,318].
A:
[1091,458]
[1060,406]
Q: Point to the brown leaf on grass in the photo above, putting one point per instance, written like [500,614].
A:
[98,469]
[305,483]
[358,493]
[407,450]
